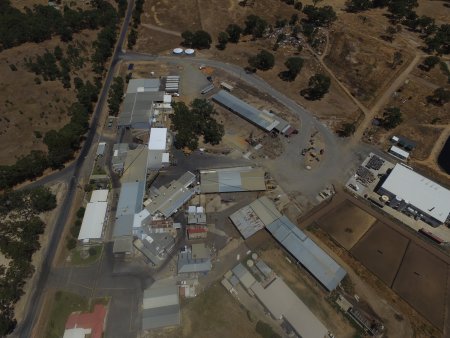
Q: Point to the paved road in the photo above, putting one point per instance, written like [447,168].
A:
[72,175]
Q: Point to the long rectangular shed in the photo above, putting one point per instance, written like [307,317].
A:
[160,306]
[246,111]
[232,180]
[307,253]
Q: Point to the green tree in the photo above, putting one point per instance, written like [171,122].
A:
[355,6]
[222,40]
[115,97]
[188,38]
[132,38]
[255,26]
[234,32]
[429,62]
[392,117]
[318,86]
[320,16]
[401,8]
[348,129]
[201,40]
[440,42]
[294,19]
[298,6]
[42,199]
[264,60]
[58,52]
[440,97]
[294,66]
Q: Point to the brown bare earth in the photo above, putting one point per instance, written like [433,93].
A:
[346,224]
[27,107]
[381,250]
[421,281]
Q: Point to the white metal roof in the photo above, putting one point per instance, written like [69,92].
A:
[94,217]
[99,195]
[398,151]
[158,137]
[76,332]
[165,158]
[426,195]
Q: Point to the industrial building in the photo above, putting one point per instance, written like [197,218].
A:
[243,276]
[197,232]
[167,200]
[94,217]
[255,216]
[135,166]
[232,180]
[155,247]
[161,306]
[307,253]
[157,147]
[120,151]
[195,260]
[138,103]
[81,325]
[196,215]
[263,119]
[283,304]
[416,195]
[399,153]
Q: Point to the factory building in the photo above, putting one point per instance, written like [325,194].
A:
[232,180]
[416,195]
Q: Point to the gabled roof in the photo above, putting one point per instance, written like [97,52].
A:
[312,257]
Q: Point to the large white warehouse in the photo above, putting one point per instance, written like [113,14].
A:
[416,195]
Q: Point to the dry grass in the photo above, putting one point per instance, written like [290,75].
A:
[26,107]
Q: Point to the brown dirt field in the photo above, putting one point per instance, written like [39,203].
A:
[215,313]
[346,223]
[421,281]
[381,251]
[215,16]
[308,291]
[157,42]
[26,106]
[354,62]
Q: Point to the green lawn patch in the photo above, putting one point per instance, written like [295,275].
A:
[64,303]
[83,256]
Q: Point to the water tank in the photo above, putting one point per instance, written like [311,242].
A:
[255,256]
[178,51]
[189,51]
[250,263]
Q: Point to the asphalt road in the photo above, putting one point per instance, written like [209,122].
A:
[72,175]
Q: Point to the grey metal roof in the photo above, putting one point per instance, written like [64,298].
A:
[313,258]
[101,148]
[131,198]
[123,226]
[248,112]
[167,200]
[135,167]
[187,264]
[232,180]
[264,268]
[161,317]
[160,306]
[187,179]
[123,244]
[253,217]
[244,276]
[147,85]
[137,108]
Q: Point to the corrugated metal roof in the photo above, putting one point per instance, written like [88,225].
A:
[148,85]
[131,198]
[137,108]
[123,226]
[253,217]
[424,194]
[282,302]
[248,112]
[187,264]
[99,195]
[232,180]
[93,220]
[313,258]
[101,148]
[135,167]
[160,307]
[244,276]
